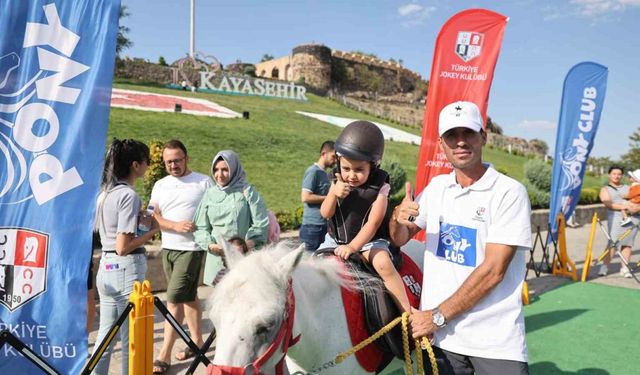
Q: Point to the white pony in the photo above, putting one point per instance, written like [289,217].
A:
[247,308]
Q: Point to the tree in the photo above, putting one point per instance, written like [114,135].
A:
[632,157]
[162,61]
[493,127]
[266,57]
[122,41]
[539,146]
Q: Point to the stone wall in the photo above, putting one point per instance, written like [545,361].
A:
[277,69]
[143,70]
[311,64]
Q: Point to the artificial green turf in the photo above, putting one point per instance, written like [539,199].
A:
[584,328]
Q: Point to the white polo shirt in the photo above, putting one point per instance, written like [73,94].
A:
[459,222]
[178,198]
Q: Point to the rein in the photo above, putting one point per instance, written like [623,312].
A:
[283,341]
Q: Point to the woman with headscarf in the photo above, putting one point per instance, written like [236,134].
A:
[232,207]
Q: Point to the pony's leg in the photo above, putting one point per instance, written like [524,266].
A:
[381,261]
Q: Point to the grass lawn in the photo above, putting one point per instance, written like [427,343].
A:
[275,145]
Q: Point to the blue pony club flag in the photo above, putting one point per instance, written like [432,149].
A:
[582,101]
[56,67]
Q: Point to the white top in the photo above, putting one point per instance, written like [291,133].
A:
[177,198]
[459,223]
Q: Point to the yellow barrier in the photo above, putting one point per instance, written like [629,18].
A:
[525,293]
[588,258]
[562,265]
[141,329]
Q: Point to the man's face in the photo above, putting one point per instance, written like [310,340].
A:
[615,176]
[463,147]
[175,161]
[329,158]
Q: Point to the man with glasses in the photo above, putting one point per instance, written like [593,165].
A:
[175,199]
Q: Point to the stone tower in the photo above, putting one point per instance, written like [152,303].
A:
[313,63]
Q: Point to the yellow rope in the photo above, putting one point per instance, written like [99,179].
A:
[405,346]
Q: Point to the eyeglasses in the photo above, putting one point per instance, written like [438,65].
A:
[174,161]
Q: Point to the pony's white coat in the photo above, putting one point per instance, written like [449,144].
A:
[247,309]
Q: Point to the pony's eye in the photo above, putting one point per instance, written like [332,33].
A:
[263,329]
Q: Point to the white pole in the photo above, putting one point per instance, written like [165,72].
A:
[192,36]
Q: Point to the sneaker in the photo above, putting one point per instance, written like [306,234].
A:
[626,221]
[603,270]
[624,272]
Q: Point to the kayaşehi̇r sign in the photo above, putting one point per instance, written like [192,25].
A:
[246,86]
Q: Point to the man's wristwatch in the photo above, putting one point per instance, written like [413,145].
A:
[438,318]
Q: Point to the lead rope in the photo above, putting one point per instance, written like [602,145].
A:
[424,343]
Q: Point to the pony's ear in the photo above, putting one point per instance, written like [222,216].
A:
[231,255]
[289,262]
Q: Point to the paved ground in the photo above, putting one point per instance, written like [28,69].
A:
[577,239]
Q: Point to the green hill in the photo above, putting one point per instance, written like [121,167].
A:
[275,145]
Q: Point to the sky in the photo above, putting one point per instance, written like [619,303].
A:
[543,40]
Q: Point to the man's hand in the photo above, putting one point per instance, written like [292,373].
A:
[344,251]
[185,226]
[422,324]
[340,188]
[633,208]
[407,211]
[215,249]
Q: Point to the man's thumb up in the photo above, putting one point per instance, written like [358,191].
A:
[408,192]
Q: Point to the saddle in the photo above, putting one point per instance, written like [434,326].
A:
[368,311]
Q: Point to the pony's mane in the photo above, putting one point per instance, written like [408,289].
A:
[257,268]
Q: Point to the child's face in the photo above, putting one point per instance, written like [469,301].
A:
[354,172]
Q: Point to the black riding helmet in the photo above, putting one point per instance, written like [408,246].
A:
[361,140]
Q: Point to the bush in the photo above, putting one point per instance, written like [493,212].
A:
[503,170]
[538,198]
[589,196]
[397,175]
[286,220]
[538,174]
[155,171]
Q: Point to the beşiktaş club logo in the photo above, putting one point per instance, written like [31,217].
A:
[469,45]
[26,115]
[23,266]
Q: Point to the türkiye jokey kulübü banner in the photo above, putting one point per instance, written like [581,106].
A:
[582,101]
[464,60]
[56,67]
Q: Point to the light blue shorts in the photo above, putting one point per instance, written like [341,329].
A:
[377,243]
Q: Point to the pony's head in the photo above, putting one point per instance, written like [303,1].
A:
[247,307]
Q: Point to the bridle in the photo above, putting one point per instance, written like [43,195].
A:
[283,341]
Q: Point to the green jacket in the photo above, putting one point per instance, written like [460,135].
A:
[229,213]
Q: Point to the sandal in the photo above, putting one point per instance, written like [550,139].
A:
[162,365]
[185,354]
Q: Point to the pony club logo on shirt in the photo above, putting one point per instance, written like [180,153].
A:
[23,264]
[457,244]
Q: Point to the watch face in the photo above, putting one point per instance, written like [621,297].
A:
[438,318]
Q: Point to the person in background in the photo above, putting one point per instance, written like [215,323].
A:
[231,207]
[612,196]
[315,186]
[175,199]
[118,221]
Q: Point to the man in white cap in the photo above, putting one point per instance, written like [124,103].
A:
[478,231]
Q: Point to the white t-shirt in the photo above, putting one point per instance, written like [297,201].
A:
[459,222]
[177,198]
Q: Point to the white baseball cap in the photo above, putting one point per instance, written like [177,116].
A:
[635,175]
[460,115]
